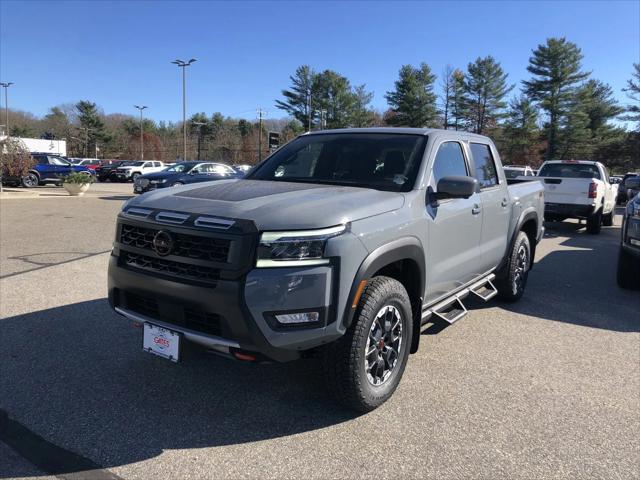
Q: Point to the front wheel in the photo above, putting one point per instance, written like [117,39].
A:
[177,184]
[511,286]
[135,176]
[364,367]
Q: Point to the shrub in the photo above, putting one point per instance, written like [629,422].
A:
[79,178]
[15,159]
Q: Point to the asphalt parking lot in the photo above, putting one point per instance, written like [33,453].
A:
[546,388]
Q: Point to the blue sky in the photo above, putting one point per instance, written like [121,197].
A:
[117,53]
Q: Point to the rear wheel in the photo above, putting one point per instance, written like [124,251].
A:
[628,270]
[607,220]
[364,367]
[511,286]
[594,223]
[30,180]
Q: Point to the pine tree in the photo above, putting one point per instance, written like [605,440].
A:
[520,135]
[297,100]
[556,67]
[633,92]
[413,101]
[458,103]
[91,126]
[485,87]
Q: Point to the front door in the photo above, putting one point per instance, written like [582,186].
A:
[454,227]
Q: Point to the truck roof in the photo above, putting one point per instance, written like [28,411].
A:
[398,130]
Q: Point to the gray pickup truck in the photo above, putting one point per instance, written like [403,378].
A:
[342,244]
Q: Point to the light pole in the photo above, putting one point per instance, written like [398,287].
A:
[182,64]
[141,131]
[6,86]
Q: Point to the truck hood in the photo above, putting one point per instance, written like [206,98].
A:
[274,205]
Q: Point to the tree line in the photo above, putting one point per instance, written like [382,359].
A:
[561,111]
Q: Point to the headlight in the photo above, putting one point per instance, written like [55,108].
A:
[294,249]
[155,182]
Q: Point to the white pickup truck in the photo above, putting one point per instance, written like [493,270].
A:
[578,189]
[132,170]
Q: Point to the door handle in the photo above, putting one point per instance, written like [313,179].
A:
[504,202]
[475,210]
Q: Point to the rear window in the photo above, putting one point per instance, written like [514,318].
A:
[569,170]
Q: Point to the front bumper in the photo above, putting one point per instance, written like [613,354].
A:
[236,310]
[568,210]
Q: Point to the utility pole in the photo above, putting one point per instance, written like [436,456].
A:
[199,124]
[260,116]
[6,86]
[182,64]
[141,131]
[309,113]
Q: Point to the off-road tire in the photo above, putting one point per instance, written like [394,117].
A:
[343,361]
[628,274]
[594,223]
[511,285]
[607,220]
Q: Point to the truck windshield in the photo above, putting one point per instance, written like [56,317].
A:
[383,161]
[569,170]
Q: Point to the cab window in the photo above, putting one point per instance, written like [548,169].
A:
[486,172]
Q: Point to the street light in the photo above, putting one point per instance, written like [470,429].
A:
[6,86]
[141,131]
[182,64]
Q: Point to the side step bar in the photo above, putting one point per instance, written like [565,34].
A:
[452,309]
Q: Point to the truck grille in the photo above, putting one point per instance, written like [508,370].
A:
[183,271]
[188,317]
[189,246]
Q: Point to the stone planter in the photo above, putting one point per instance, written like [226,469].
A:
[76,189]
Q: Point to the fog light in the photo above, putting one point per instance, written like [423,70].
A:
[302,317]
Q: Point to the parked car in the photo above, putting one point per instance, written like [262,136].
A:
[633,186]
[132,170]
[107,168]
[242,169]
[183,173]
[343,243]
[622,190]
[629,255]
[514,171]
[578,189]
[48,168]
[90,163]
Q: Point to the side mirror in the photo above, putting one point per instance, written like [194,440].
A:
[456,187]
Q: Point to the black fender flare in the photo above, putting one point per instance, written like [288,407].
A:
[405,248]
[524,217]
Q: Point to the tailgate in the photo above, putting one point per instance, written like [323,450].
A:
[567,190]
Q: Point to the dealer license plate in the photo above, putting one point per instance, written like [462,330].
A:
[161,341]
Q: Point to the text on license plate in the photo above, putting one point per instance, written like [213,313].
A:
[161,341]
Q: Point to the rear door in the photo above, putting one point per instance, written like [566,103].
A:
[494,197]
[454,227]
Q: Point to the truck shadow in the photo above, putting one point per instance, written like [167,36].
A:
[578,285]
[76,375]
